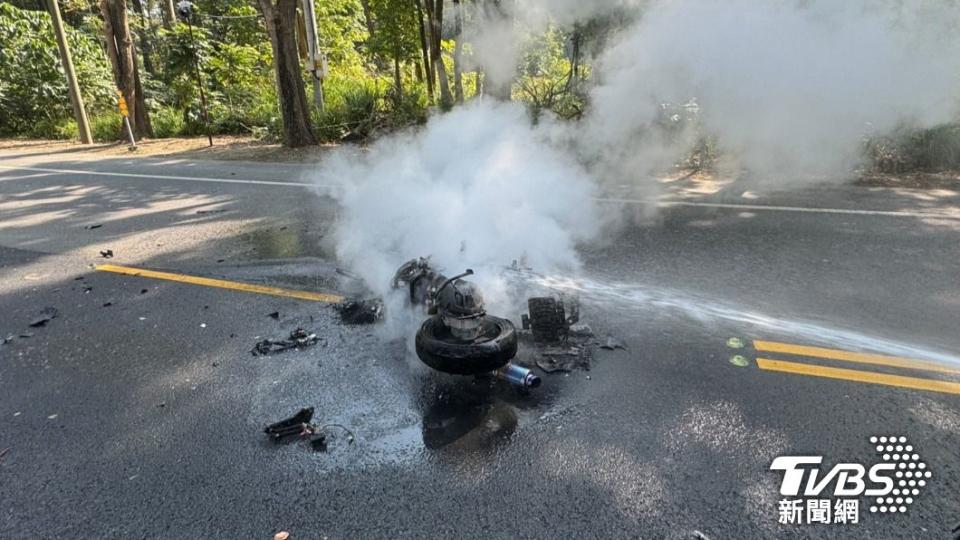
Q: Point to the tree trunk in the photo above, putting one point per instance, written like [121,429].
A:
[169,15]
[368,17]
[281,20]
[497,81]
[145,46]
[436,32]
[458,54]
[123,60]
[397,79]
[425,49]
[574,81]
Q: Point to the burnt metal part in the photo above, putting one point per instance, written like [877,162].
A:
[361,311]
[298,339]
[295,425]
[420,280]
[494,347]
[550,317]
[564,359]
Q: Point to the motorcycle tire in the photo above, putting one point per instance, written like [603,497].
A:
[439,349]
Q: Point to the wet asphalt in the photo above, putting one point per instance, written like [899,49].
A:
[138,410]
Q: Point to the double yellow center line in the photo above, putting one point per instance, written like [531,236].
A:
[815,370]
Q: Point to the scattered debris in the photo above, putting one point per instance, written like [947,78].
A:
[298,339]
[8,339]
[275,315]
[106,253]
[613,343]
[366,311]
[580,330]
[319,443]
[46,315]
[4,452]
[564,359]
[282,535]
[52,417]
[87,288]
[298,424]
[93,226]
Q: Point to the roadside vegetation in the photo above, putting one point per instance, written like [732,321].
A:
[389,64]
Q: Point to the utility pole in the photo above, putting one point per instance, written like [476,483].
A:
[83,126]
[316,64]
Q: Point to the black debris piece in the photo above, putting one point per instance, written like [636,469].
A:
[215,211]
[613,343]
[144,291]
[94,226]
[298,339]
[275,315]
[298,424]
[78,278]
[25,335]
[106,253]
[8,339]
[46,315]
[107,304]
[220,260]
[87,288]
[564,359]
[362,311]
[319,443]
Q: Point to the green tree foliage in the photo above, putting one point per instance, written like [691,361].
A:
[33,88]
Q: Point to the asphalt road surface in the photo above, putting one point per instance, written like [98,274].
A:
[757,324]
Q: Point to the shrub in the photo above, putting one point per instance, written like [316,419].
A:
[106,126]
[167,122]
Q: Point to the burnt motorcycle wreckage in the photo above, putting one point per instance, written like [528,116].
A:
[460,338]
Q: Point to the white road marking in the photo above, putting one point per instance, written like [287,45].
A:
[22,176]
[167,177]
[775,208]
[662,204]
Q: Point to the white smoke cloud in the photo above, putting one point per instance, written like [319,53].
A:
[786,86]
[478,187]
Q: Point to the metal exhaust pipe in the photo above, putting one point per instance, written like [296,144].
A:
[519,376]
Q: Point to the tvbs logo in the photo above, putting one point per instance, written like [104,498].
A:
[892,483]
